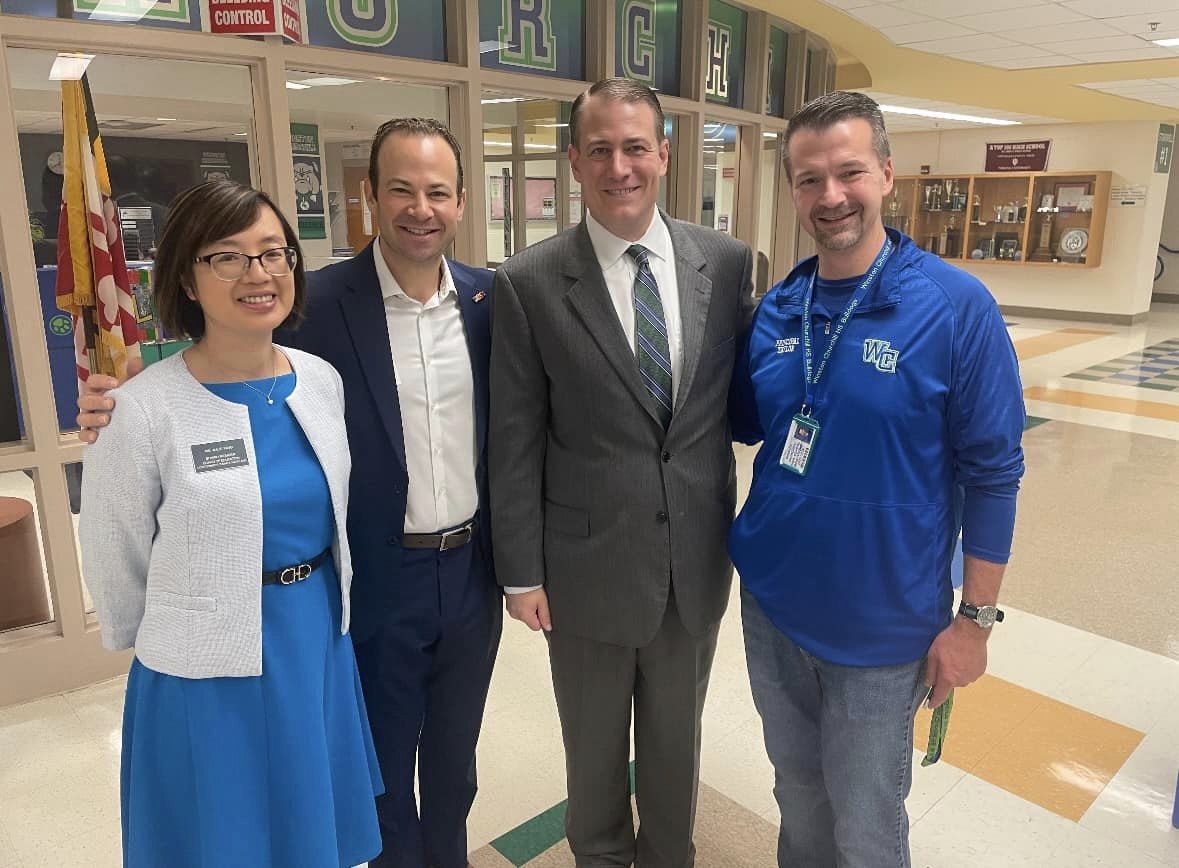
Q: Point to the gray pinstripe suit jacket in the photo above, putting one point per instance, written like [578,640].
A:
[173,557]
[589,497]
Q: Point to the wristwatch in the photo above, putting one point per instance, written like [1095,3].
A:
[985,616]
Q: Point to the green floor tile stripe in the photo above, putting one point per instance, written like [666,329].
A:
[532,837]
[1033,421]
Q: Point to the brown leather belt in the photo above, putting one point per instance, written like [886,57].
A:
[441,542]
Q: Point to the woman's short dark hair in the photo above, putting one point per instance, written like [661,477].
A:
[210,212]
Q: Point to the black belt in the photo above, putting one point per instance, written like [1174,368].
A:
[295,572]
[449,539]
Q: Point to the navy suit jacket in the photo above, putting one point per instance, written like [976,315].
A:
[345,324]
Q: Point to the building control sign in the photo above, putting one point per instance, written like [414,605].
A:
[257,18]
[1018,156]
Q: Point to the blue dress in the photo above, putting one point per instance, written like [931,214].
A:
[277,769]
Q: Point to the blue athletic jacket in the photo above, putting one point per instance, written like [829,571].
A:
[922,413]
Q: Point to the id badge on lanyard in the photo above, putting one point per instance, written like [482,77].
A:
[804,431]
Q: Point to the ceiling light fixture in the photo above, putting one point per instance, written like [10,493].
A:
[69,66]
[117,10]
[1167,43]
[297,85]
[947,116]
[323,81]
[497,100]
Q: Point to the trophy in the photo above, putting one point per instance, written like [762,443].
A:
[1043,251]
[928,194]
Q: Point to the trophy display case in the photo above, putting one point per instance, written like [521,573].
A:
[998,225]
[1063,224]
[897,208]
[939,223]
[1010,218]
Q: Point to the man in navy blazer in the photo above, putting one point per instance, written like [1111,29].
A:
[409,332]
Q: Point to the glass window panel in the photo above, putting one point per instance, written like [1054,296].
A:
[182,14]
[813,83]
[647,43]
[25,600]
[724,80]
[500,197]
[540,200]
[720,175]
[73,481]
[166,125]
[12,427]
[333,119]
[537,38]
[767,209]
[776,70]
[525,138]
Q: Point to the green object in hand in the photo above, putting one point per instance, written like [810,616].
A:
[939,725]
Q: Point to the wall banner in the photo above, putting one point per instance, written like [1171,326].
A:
[724,78]
[647,43]
[1018,156]
[309,194]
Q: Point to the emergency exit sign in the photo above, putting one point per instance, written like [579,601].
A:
[257,18]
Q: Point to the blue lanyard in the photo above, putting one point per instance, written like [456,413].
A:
[812,376]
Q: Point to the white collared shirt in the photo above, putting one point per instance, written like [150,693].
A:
[620,271]
[436,390]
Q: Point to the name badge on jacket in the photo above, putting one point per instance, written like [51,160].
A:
[221,455]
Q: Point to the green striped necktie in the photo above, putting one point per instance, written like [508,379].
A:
[651,343]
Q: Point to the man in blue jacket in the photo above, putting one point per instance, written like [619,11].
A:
[885,390]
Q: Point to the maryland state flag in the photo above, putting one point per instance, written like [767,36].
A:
[92,280]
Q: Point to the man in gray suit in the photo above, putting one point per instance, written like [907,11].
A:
[612,474]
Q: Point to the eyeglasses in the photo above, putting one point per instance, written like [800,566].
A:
[227,266]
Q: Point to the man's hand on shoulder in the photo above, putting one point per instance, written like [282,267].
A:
[94,407]
[531,607]
[957,657]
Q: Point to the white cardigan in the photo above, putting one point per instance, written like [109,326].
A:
[173,557]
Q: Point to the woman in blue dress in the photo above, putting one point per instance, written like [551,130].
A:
[213,538]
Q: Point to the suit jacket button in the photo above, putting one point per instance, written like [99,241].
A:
[394,540]
[666,457]
[661,517]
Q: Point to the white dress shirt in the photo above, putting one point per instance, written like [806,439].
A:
[620,271]
[436,390]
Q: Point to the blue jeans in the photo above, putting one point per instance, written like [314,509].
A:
[841,742]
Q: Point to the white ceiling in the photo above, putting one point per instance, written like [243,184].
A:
[1158,91]
[1023,34]
[898,123]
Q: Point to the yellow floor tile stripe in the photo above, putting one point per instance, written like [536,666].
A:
[1090,401]
[1040,749]
[1061,339]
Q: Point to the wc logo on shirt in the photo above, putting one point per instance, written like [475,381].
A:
[881,354]
[786,345]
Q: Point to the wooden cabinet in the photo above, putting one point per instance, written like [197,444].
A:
[1005,218]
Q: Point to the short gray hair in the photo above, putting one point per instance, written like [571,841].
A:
[827,110]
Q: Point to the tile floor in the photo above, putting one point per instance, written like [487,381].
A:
[1064,756]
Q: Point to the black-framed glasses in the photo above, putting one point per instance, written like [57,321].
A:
[229,266]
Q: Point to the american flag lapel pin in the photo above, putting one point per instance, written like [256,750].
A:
[479,296]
